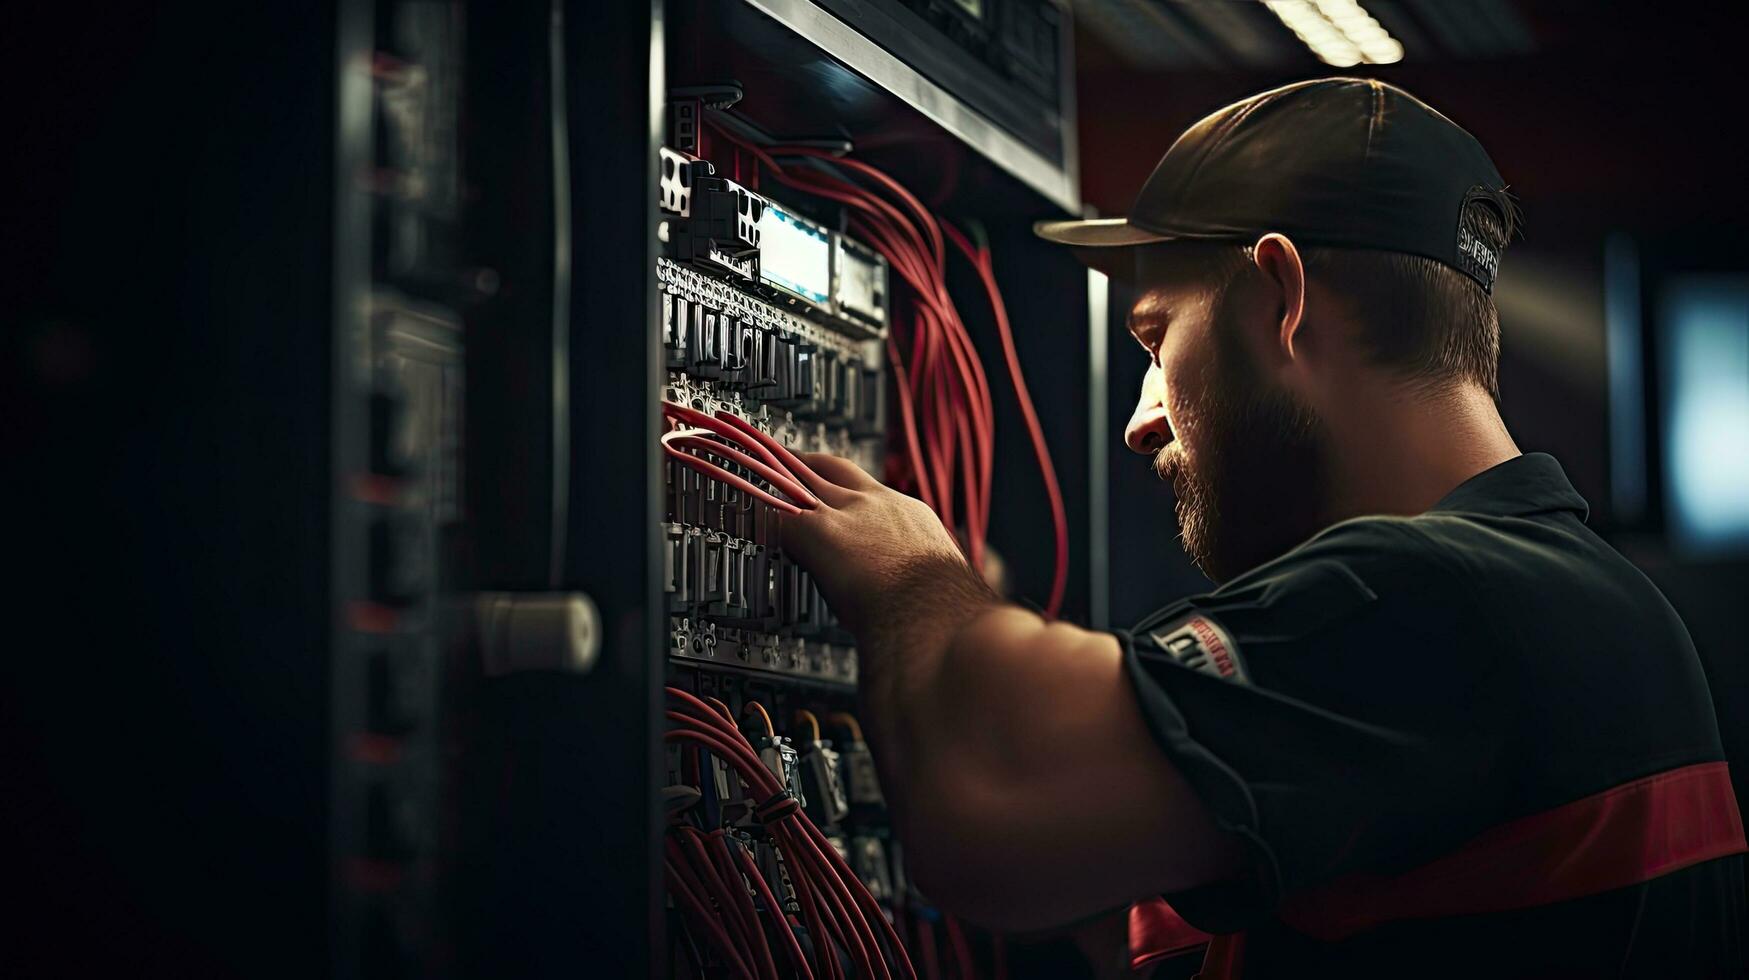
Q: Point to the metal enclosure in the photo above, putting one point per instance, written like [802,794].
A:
[370,287]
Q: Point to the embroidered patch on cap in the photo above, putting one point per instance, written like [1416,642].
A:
[1476,256]
[1198,642]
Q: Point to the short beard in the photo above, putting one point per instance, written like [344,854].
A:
[1258,489]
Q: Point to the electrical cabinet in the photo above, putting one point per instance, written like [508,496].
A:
[560,230]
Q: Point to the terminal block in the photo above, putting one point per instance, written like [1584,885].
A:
[861,783]
[868,858]
[721,232]
[780,756]
[674,186]
[827,804]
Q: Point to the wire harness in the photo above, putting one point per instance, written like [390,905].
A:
[731,439]
[719,888]
[946,413]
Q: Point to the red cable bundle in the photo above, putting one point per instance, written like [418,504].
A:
[945,408]
[731,438]
[948,421]
[837,909]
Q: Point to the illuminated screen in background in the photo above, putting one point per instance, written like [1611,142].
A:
[794,255]
[1704,350]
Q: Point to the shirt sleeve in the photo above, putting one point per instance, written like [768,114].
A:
[1340,709]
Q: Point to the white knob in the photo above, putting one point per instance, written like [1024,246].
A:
[538,631]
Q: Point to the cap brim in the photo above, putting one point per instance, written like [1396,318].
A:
[1096,233]
[1100,243]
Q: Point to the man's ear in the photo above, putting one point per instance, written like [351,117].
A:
[1285,274]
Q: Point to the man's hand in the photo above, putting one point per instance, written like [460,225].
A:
[867,545]
[1012,752]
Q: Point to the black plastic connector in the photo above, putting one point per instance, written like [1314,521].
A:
[721,235]
[868,417]
[827,804]
[676,319]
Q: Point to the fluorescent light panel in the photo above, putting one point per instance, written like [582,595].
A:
[1339,32]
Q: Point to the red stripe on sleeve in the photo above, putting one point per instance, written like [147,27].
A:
[1622,836]
[1619,837]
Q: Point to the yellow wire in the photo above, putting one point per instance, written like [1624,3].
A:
[848,720]
[813,722]
[770,732]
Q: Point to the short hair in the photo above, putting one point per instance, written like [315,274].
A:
[1417,317]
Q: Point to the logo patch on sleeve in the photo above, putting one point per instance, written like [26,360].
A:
[1198,642]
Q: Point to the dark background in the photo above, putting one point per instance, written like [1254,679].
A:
[164,742]
[162,773]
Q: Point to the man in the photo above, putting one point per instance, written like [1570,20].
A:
[1429,724]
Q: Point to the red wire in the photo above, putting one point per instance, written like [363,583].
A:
[933,294]
[941,402]
[679,440]
[978,395]
[966,361]
[805,859]
[885,222]
[947,415]
[898,190]
[787,459]
[803,842]
[909,420]
[715,744]
[880,211]
[723,712]
[775,909]
[974,519]
[962,953]
[885,227]
[739,430]
[701,911]
[940,455]
[717,846]
[981,261]
[926,948]
[861,895]
[719,892]
[808,858]
[820,928]
[716,473]
[923,394]
[734,749]
[781,468]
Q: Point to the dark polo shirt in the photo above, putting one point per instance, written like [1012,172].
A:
[1400,692]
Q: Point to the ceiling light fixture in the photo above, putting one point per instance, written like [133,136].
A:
[1339,32]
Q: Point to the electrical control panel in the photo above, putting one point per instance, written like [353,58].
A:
[770,316]
[537,284]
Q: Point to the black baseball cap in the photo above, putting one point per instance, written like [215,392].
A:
[1347,162]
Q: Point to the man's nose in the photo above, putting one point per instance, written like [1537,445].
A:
[1148,431]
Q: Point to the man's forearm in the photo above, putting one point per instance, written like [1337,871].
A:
[903,642]
[982,715]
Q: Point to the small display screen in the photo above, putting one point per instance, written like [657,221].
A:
[795,254]
[862,285]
